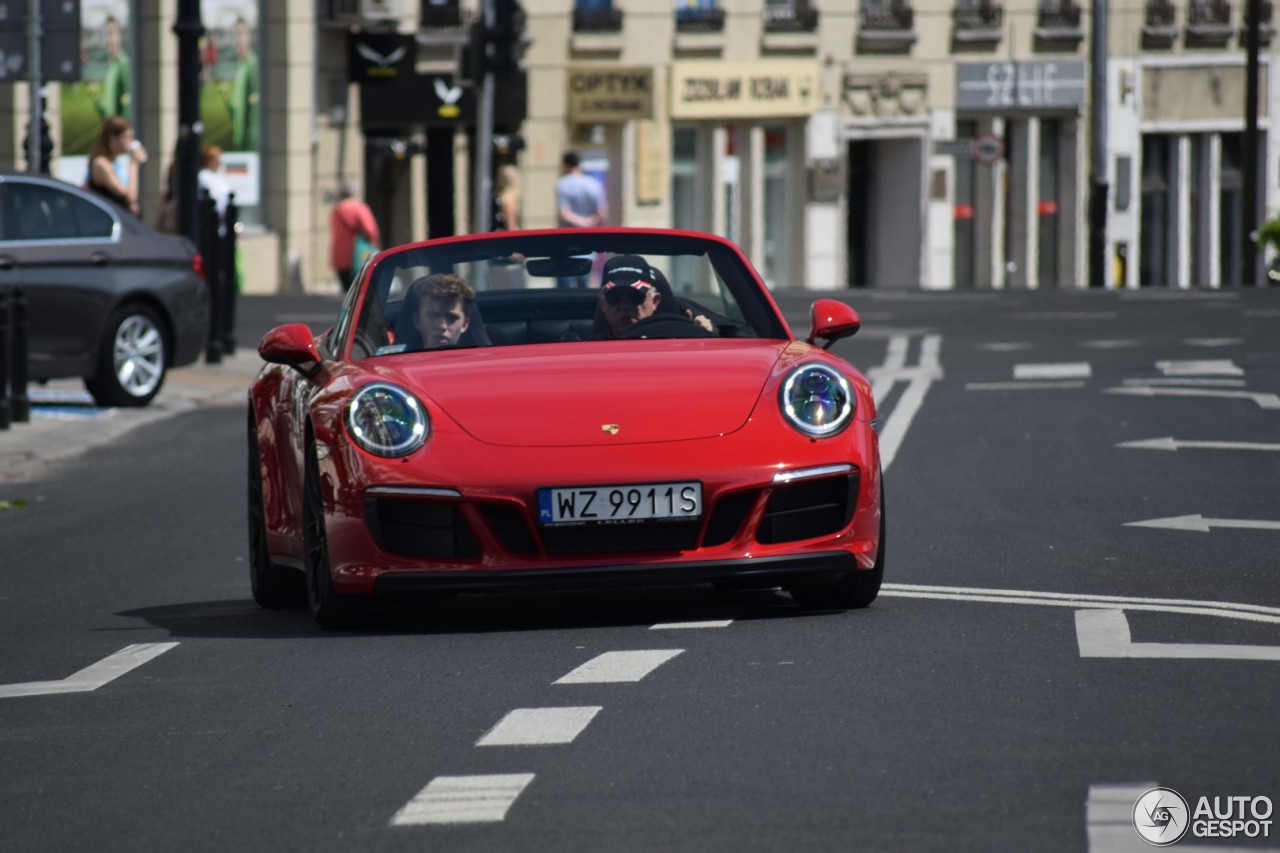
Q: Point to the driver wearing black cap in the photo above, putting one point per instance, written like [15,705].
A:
[629,294]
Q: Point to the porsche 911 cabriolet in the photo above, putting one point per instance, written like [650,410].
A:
[477,420]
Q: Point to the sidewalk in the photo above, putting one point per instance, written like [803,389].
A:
[65,423]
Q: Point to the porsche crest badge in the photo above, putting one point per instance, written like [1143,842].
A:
[612,429]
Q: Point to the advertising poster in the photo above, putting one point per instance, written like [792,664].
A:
[106,87]
[230,87]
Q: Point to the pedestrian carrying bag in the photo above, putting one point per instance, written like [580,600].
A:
[362,251]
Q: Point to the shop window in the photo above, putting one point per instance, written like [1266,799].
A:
[684,194]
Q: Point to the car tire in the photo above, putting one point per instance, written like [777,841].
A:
[133,356]
[273,586]
[845,590]
[330,609]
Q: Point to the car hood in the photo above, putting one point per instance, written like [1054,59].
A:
[601,393]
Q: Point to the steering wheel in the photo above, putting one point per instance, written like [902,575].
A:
[667,326]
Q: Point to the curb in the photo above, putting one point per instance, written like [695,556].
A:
[64,423]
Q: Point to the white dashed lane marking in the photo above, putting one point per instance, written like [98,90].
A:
[1064,370]
[539,726]
[1120,344]
[672,626]
[614,667]
[1202,367]
[1213,342]
[463,799]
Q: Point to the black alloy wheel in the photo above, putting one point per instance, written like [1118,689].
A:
[330,609]
[273,586]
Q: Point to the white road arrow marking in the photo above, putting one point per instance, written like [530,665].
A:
[1266,401]
[1200,524]
[92,677]
[895,426]
[1105,634]
[1170,443]
[1221,609]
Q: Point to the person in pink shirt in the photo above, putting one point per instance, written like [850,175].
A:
[349,217]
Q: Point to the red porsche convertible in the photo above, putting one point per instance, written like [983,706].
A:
[562,408]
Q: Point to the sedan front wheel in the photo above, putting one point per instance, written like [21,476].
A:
[132,358]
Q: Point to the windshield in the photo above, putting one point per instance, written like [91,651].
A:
[523,288]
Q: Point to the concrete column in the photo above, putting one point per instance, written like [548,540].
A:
[1182,221]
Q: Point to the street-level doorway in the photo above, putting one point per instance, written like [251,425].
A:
[885,220]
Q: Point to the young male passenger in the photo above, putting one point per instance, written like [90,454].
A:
[443,303]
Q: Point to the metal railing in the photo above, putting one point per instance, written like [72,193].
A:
[797,18]
[984,16]
[597,20]
[897,16]
[700,20]
[1064,15]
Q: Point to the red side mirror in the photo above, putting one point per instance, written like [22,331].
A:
[831,320]
[293,345]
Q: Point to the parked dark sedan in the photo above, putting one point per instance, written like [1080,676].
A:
[109,299]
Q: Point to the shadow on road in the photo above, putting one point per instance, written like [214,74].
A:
[483,613]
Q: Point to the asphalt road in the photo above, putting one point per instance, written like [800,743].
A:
[1069,619]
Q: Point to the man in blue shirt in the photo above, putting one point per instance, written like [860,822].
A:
[579,204]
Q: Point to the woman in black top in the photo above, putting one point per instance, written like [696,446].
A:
[116,138]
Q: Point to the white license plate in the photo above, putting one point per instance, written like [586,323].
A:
[620,504]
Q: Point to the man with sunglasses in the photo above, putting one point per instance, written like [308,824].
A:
[629,294]
[442,309]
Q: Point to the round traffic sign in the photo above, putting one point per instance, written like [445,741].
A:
[988,148]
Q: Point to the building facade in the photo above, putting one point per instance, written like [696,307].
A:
[869,143]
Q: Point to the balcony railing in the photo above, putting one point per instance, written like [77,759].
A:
[796,18]
[1209,13]
[1266,25]
[1209,23]
[1058,24]
[894,17]
[1058,16]
[1160,25]
[886,27]
[700,20]
[981,23]
[1161,14]
[593,20]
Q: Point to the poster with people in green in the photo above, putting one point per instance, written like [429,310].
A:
[106,86]
[230,88]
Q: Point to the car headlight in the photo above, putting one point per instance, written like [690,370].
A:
[816,400]
[387,420]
